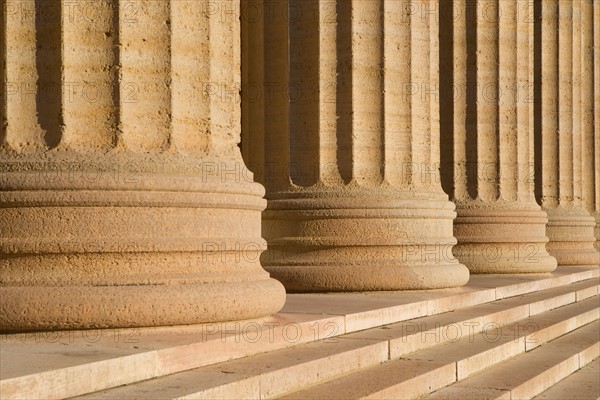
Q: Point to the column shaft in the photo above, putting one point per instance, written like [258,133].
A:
[127,213]
[356,204]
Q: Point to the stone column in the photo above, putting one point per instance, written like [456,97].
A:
[487,136]
[560,134]
[348,146]
[124,200]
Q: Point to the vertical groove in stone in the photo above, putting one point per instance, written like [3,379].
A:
[420,69]
[367,91]
[90,79]
[192,86]
[527,175]
[305,92]
[3,77]
[487,100]
[431,173]
[538,174]
[565,103]
[549,160]
[145,75]
[577,112]
[396,44]
[49,60]
[449,18]
[587,103]
[253,94]
[456,136]
[344,86]
[329,165]
[21,129]
[277,147]
[523,96]
[596,117]
[471,89]
[511,128]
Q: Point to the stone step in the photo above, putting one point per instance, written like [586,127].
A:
[532,373]
[475,352]
[272,374]
[421,333]
[419,374]
[67,364]
[367,310]
[583,384]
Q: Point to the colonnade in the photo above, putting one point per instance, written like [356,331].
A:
[399,144]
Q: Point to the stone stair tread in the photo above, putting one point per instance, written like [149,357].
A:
[583,384]
[405,337]
[406,378]
[474,352]
[415,377]
[271,374]
[58,365]
[529,374]
[396,379]
[267,374]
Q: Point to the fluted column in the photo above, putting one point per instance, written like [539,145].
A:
[348,146]
[124,200]
[487,136]
[562,134]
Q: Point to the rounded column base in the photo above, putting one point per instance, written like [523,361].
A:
[87,307]
[500,240]
[347,242]
[84,250]
[571,234]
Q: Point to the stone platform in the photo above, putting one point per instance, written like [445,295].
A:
[316,340]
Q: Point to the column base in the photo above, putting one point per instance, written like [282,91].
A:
[571,234]
[343,241]
[84,250]
[86,307]
[502,239]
